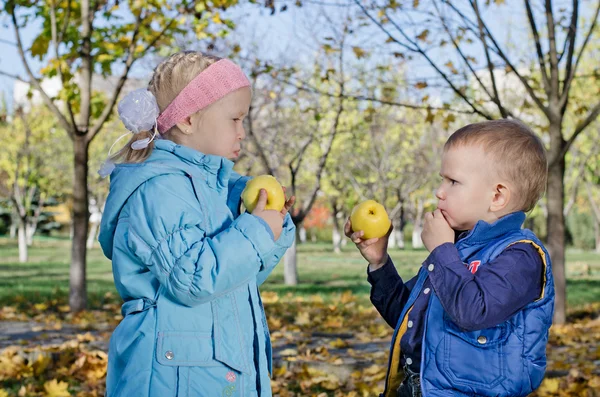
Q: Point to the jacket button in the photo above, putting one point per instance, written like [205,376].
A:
[408,361]
[169,355]
[426,291]
[482,339]
[410,324]
[431,267]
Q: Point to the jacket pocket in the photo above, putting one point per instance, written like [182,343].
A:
[191,349]
[475,359]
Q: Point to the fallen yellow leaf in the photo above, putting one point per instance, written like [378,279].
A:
[55,388]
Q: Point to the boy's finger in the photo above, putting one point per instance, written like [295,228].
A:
[357,237]
[348,228]
[369,242]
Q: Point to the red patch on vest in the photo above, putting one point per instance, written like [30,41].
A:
[473,266]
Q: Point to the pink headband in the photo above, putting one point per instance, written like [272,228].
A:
[216,81]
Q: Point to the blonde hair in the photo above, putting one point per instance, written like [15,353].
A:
[169,78]
[518,153]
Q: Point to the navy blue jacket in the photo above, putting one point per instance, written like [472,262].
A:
[476,317]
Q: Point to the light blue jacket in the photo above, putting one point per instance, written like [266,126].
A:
[188,267]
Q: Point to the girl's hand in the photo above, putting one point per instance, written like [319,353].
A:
[273,218]
[289,203]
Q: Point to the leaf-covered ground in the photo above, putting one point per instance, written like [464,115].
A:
[337,347]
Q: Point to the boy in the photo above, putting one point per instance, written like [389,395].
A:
[475,319]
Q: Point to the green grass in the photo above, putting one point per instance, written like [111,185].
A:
[321,272]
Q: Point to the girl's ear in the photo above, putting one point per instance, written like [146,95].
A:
[502,195]
[185,125]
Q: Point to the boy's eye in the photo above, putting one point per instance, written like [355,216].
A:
[453,182]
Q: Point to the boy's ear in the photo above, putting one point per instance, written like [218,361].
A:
[501,197]
[185,125]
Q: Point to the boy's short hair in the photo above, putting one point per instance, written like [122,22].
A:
[518,152]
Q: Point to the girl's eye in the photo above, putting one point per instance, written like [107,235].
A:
[237,119]
[453,182]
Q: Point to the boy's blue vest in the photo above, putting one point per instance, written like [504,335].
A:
[506,360]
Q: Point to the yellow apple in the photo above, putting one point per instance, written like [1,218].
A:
[370,217]
[275,195]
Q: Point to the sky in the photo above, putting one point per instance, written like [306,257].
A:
[286,37]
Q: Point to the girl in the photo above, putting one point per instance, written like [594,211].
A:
[186,263]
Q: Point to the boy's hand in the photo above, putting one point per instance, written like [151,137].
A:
[436,230]
[373,250]
[273,218]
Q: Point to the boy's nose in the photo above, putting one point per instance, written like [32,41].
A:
[439,193]
[242,133]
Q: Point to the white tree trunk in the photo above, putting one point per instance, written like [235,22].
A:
[290,269]
[337,232]
[22,233]
[398,234]
[416,237]
[31,228]
[302,235]
[92,236]
[336,237]
[13,230]
[95,219]
[392,243]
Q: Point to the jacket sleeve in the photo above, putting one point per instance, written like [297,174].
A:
[489,294]
[389,293]
[236,186]
[285,241]
[167,233]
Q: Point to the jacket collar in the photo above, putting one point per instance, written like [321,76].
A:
[218,169]
[484,232]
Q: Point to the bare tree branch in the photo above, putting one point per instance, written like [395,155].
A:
[419,50]
[55,42]
[304,86]
[71,129]
[570,72]
[538,46]
[592,115]
[528,88]
[496,97]
[553,54]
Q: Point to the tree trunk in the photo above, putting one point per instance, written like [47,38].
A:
[392,240]
[92,235]
[398,232]
[418,227]
[556,234]
[31,228]
[337,231]
[290,268]
[22,233]
[78,292]
[95,219]
[302,235]
[597,232]
[13,230]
